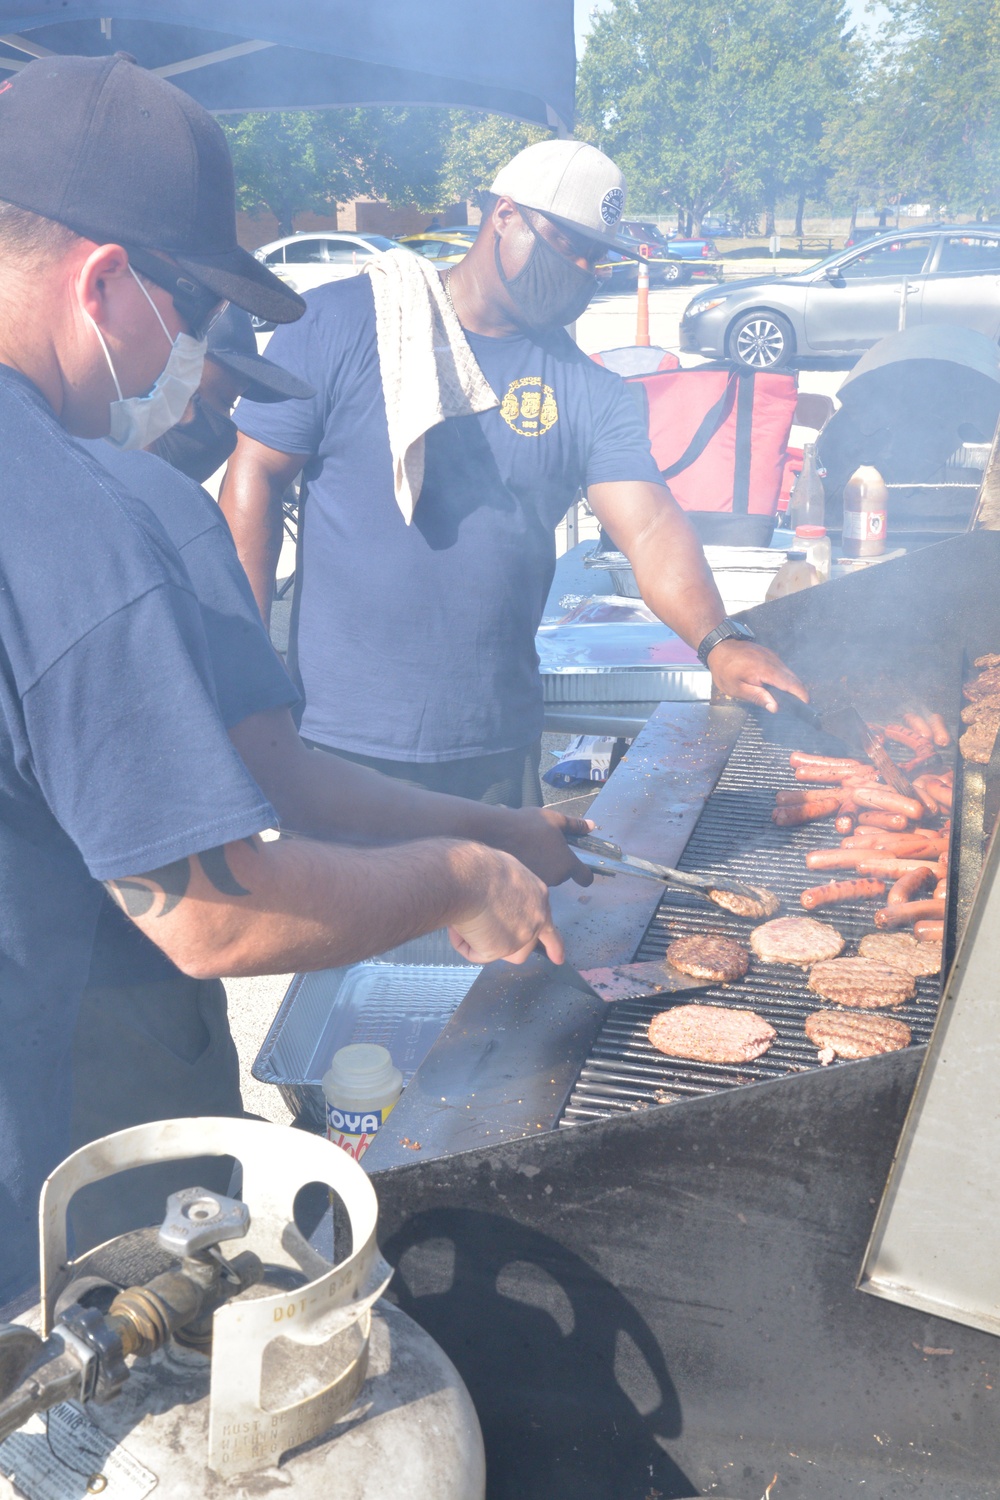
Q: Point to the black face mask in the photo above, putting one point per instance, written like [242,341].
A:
[200,446]
[549,289]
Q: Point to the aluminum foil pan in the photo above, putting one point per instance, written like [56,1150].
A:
[402,1000]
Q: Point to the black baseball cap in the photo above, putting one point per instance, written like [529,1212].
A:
[233,345]
[119,155]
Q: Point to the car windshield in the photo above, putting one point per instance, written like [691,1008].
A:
[840,255]
[379,242]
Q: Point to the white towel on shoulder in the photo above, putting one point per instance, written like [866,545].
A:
[429,373]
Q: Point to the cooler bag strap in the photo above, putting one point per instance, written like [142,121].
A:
[716,417]
[744,439]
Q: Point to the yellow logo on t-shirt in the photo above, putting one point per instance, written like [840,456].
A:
[529,407]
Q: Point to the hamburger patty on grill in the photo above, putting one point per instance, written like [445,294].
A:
[861,983]
[902,951]
[711,1033]
[707,957]
[744,906]
[796,940]
[839,1033]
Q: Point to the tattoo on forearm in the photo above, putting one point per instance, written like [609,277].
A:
[139,895]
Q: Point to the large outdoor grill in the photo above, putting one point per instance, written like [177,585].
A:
[661,1300]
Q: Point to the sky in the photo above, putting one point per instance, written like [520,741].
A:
[583,8]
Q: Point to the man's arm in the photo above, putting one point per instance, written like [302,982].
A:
[250,498]
[676,582]
[325,797]
[266,908]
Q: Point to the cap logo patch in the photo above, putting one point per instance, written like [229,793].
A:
[611,206]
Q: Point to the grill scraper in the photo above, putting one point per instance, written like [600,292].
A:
[849,730]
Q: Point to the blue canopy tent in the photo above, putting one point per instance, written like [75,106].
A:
[516,57]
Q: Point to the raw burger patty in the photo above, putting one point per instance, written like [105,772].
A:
[838,1033]
[742,906]
[861,982]
[709,957]
[796,940]
[711,1033]
[902,951]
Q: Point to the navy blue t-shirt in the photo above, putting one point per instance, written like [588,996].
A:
[249,676]
[417,642]
[113,760]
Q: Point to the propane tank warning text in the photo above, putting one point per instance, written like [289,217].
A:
[73,1461]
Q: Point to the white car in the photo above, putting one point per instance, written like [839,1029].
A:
[315,257]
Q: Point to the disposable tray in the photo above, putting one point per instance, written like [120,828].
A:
[402,1000]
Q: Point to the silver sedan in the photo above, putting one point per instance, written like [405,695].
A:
[846,303]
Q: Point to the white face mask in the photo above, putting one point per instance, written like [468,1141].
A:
[137,421]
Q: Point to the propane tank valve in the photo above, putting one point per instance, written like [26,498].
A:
[83,1359]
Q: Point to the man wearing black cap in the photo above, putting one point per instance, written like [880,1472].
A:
[117,250]
[206,435]
[449,575]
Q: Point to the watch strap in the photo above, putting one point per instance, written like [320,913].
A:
[729,630]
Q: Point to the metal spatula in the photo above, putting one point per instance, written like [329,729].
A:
[608,859]
[642,980]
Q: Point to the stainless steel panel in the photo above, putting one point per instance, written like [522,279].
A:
[506,1061]
[934,1242]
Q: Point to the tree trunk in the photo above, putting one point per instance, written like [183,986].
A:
[286,225]
[694,233]
[687,225]
[854,220]
[680,221]
[800,209]
[883,214]
[769,219]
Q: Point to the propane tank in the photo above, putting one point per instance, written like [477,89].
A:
[159,1362]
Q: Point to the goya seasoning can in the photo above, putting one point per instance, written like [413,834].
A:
[361,1087]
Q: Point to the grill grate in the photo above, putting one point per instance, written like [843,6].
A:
[734,836]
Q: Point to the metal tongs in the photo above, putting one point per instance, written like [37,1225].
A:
[608,859]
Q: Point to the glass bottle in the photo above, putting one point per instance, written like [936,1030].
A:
[807,505]
[795,573]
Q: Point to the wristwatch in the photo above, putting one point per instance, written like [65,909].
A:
[729,630]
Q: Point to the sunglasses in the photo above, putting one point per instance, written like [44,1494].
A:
[200,307]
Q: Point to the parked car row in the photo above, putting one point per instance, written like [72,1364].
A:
[850,300]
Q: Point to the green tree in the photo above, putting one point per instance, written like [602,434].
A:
[477,147]
[712,102]
[292,162]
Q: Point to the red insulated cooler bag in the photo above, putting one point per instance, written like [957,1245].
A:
[720,436]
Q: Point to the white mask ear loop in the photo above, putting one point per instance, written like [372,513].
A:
[107,355]
[166,330]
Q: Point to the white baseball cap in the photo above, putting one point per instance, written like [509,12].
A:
[570,182]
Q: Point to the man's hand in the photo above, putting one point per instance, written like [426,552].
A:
[742,669]
[537,837]
[508,910]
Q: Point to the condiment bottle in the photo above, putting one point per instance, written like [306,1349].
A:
[361,1086]
[865,502]
[795,573]
[807,504]
[816,545]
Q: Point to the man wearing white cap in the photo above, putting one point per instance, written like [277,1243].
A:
[421,581]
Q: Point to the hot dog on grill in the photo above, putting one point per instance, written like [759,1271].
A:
[833,859]
[840,890]
[909,886]
[919,725]
[825,762]
[908,737]
[928,932]
[805,812]
[885,865]
[939,730]
[890,822]
[907,912]
[886,800]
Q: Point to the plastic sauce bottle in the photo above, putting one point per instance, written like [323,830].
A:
[807,505]
[361,1086]
[795,573]
[865,502]
[815,543]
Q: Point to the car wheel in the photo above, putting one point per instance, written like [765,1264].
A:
[761,341]
[672,272]
[260,325]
